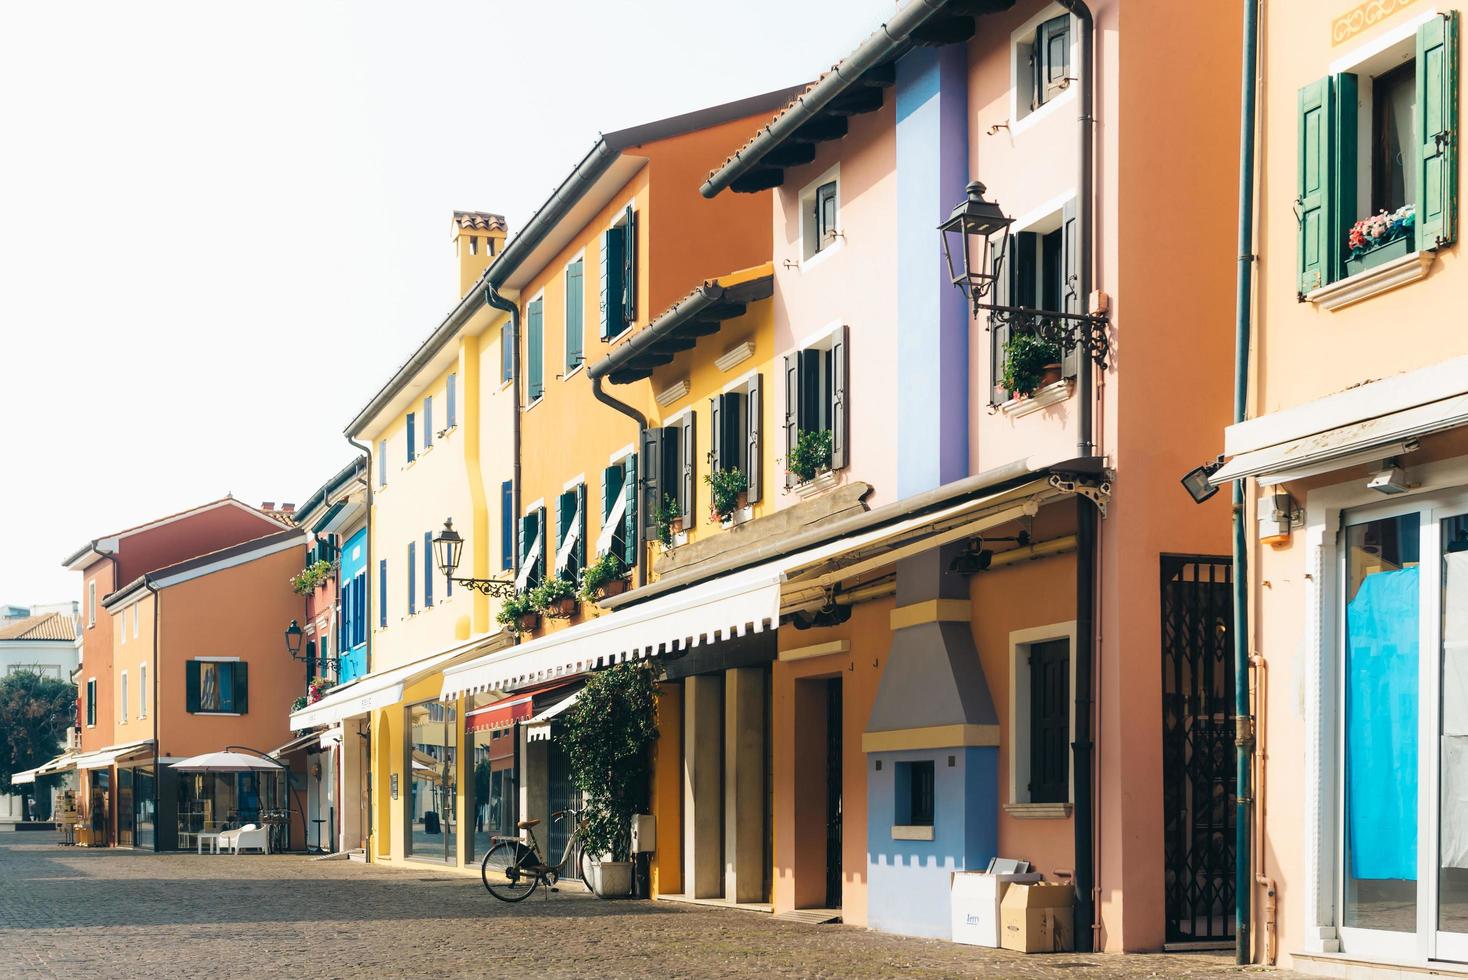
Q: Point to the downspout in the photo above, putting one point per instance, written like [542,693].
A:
[1244,721]
[157,752]
[494,299]
[1083,747]
[641,420]
[366,832]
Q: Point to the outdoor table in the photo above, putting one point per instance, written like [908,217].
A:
[213,838]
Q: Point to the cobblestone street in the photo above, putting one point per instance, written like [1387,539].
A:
[70,912]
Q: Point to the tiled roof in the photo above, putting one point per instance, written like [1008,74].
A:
[50,626]
[480,219]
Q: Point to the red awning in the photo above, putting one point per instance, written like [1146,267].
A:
[519,706]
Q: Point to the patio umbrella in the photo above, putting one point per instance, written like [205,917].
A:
[226,762]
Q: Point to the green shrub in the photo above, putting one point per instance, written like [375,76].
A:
[601,570]
[608,735]
[1025,358]
[811,454]
[726,486]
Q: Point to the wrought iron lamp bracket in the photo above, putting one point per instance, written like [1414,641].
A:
[1065,330]
[1096,493]
[493,587]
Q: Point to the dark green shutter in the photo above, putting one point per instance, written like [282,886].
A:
[1342,211]
[191,690]
[611,283]
[1313,201]
[652,471]
[535,344]
[581,526]
[629,268]
[540,528]
[998,329]
[754,413]
[792,411]
[1437,131]
[690,470]
[840,385]
[241,687]
[1071,300]
[611,486]
[565,512]
[630,544]
[716,433]
[575,314]
[427,569]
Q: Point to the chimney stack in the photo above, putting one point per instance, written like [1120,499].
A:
[478,237]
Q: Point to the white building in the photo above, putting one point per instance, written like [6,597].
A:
[45,644]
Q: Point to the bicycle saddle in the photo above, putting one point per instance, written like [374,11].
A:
[527,824]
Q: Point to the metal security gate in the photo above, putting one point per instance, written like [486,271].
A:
[1198,774]
[563,795]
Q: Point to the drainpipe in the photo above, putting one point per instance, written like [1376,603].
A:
[641,420]
[157,753]
[1244,739]
[1083,747]
[494,299]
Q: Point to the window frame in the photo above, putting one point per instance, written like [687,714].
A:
[827,356]
[234,707]
[91,702]
[1023,112]
[816,245]
[1020,710]
[142,691]
[122,697]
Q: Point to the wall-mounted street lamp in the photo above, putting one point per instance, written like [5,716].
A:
[448,550]
[294,635]
[975,242]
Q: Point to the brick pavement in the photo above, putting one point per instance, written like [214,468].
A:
[77,913]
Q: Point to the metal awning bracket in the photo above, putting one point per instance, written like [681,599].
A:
[1096,493]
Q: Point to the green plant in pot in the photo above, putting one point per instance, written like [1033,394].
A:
[668,520]
[608,736]
[555,597]
[604,577]
[1030,363]
[811,455]
[729,490]
[518,614]
[310,577]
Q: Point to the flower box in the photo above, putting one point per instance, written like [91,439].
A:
[610,588]
[528,622]
[1370,258]
[561,608]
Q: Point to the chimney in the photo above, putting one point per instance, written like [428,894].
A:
[268,506]
[287,508]
[478,237]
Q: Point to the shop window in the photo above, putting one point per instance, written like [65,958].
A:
[914,794]
[217,687]
[735,433]
[433,788]
[668,472]
[816,400]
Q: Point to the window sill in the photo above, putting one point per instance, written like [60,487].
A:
[912,831]
[1051,394]
[219,714]
[1038,811]
[811,261]
[569,374]
[817,484]
[1364,285]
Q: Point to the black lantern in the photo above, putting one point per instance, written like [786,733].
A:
[448,548]
[293,637]
[975,237]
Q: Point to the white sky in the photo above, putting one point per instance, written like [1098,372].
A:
[222,226]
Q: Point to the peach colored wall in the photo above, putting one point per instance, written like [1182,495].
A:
[853,282]
[97,642]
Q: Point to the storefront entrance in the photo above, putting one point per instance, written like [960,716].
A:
[1403,739]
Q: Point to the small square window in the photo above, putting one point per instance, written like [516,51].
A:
[914,794]
[819,218]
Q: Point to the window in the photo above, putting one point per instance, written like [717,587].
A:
[571,533]
[1050,61]
[532,549]
[1379,138]
[427,421]
[412,439]
[382,593]
[382,463]
[619,275]
[735,433]
[1040,271]
[142,690]
[669,467]
[91,604]
[819,213]
[619,510]
[473,245]
[91,702]
[816,397]
[575,314]
[450,397]
[535,350]
[914,794]
[412,578]
[216,687]
[507,525]
[120,620]
[427,569]
[122,697]
[507,352]
[1040,702]
[135,622]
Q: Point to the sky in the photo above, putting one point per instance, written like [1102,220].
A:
[224,225]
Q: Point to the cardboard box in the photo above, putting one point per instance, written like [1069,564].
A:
[1038,918]
[974,898]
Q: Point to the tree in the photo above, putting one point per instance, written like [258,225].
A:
[34,714]
[608,735]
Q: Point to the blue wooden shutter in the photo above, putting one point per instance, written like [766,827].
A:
[535,341]
[241,687]
[575,314]
[427,421]
[191,692]
[412,437]
[629,268]
[451,399]
[1437,131]
[507,352]
[427,569]
[382,463]
[630,544]
[382,593]
[754,415]
[412,578]
[1313,200]
[507,525]
[840,395]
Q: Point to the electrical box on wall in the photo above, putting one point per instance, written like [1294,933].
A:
[644,833]
[1277,515]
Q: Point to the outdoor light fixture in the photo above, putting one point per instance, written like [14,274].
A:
[1196,480]
[448,550]
[975,246]
[1391,480]
[293,636]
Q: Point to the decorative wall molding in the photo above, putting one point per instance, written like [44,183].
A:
[1363,18]
[1051,394]
[1038,811]
[672,393]
[735,356]
[1364,285]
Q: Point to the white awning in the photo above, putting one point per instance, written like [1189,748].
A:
[382,690]
[538,729]
[737,604]
[1348,445]
[103,758]
[23,778]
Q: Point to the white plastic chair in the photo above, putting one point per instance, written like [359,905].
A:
[248,836]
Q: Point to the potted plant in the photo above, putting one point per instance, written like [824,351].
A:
[603,578]
[317,689]
[730,493]
[310,577]
[517,614]
[811,455]
[555,597]
[1379,238]
[668,520]
[1030,363]
[608,736]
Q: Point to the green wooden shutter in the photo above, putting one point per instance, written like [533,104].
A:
[1071,300]
[242,688]
[535,342]
[575,315]
[191,691]
[998,329]
[540,563]
[629,268]
[507,356]
[1437,131]
[1341,213]
[716,433]
[687,503]
[565,513]
[792,410]
[754,413]
[611,283]
[580,526]
[840,395]
[630,544]
[652,471]
[1313,201]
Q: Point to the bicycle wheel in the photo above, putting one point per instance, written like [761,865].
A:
[588,873]
[506,871]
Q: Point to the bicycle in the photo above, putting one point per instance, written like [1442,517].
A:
[513,868]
